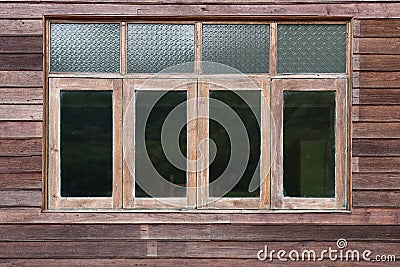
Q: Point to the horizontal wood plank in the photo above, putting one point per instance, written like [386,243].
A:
[376,130]
[387,199]
[21,95]
[13,181]
[376,181]
[376,113]
[12,62]
[376,79]
[20,129]
[377,164]
[21,27]
[168,262]
[376,62]
[376,147]
[377,28]
[21,79]
[20,164]
[21,147]
[364,10]
[376,96]
[21,112]
[21,198]
[21,44]
[358,216]
[388,46]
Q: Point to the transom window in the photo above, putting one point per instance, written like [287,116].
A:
[205,115]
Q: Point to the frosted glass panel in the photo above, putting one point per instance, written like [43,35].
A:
[84,48]
[155,47]
[243,47]
[312,48]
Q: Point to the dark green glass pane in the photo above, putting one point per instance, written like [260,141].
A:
[242,47]
[312,48]
[155,171]
[155,47]
[223,128]
[309,144]
[81,47]
[86,144]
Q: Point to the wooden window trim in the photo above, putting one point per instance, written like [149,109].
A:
[55,200]
[279,201]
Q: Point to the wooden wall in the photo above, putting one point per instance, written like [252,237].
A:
[29,236]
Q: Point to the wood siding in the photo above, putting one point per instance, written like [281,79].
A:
[30,237]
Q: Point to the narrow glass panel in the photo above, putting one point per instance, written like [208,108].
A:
[84,47]
[242,47]
[160,143]
[155,47]
[309,144]
[234,128]
[312,48]
[86,144]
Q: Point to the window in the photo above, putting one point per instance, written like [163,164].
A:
[210,115]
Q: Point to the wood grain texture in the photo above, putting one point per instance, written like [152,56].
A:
[12,62]
[378,45]
[21,79]
[20,164]
[21,147]
[377,28]
[377,164]
[376,79]
[21,198]
[376,130]
[376,181]
[16,181]
[20,129]
[360,10]
[21,44]
[376,113]
[21,95]
[10,27]
[376,147]
[21,112]
[387,199]
[376,62]
[163,262]
[376,96]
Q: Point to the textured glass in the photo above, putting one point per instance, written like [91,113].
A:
[309,144]
[155,47]
[219,168]
[312,48]
[242,47]
[84,48]
[152,167]
[86,143]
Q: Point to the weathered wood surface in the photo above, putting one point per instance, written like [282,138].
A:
[378,46]
[21,79]
[20,129]
[21,44]
[377,28]
[16,181]
[376,79]
[376,130]
[376,164]
[376,62]
[21,95]
[376,96]
[21,112]
[373,147]
[12,27]
[376,181]
[361,10]
[376,113]
[20,164]
[21,147]
[387,199]
[21,198]
[21,62]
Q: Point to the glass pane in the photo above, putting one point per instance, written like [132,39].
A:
[312,48]
[234,128]
[84,47]
[309,144]
[86,144]
[155,47]
[242,47]
[160,171]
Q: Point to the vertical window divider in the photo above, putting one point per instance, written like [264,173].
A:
[273,48]
[117,146]
[198,47]
[265,159]
[123,48]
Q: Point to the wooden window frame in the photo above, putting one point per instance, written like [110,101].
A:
[339,86]
[55,200]
[124,86]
